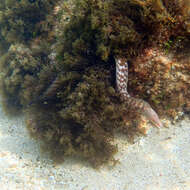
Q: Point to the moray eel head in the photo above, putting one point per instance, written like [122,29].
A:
[152,116]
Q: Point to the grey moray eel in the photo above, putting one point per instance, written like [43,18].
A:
[133,104]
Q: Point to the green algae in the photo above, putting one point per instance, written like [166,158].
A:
[22,20]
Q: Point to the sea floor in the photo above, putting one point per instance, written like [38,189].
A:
[159,161]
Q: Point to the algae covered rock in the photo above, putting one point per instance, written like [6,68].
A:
[58,66]
[16,65]
[22,20]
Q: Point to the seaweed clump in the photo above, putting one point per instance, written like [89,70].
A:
[62,74]
[15,69]
[22,20]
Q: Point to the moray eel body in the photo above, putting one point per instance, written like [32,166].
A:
[133,104]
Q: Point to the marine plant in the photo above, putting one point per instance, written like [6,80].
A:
[22,20]
[19,71]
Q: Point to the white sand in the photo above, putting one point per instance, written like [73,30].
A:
[160,161]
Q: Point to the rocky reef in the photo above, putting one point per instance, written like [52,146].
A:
[57,66]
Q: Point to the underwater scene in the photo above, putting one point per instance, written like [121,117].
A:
[81,71]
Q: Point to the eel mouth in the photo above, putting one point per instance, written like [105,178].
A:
[152,116]
[157,123]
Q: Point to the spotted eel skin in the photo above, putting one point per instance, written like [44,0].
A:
[133,104]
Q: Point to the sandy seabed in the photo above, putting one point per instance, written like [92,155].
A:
[159,161]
